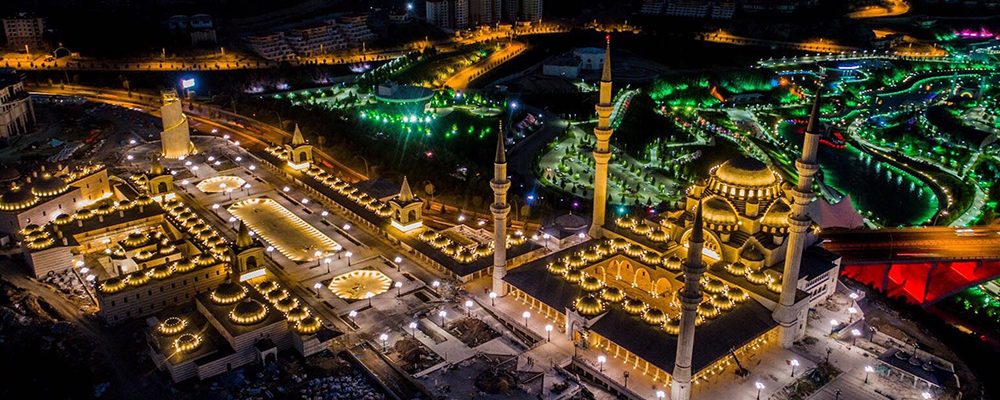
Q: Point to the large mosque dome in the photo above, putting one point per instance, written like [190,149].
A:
[745,171]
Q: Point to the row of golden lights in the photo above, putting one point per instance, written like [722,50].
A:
[352,193]
[36,191]
[468,253]
[600,295]
[40,237]
[295,312]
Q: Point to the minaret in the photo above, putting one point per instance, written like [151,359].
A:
[499,208]
[602,150]
[798,222]
[680,386]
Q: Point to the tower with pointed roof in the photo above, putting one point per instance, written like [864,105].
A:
[248,254]
[690,296]
[407,209]
[176,134]
[790,314]
[500,209]
[300,152]
[159,182]
[602,149]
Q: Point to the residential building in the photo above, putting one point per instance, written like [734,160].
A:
[17,113]
[315,40]
[24,29]
[271,46]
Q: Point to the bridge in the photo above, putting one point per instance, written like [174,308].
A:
[921,265]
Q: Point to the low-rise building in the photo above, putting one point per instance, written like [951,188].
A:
[271,46]
[45,194]
[24,29]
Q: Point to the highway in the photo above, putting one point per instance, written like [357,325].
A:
[914,244]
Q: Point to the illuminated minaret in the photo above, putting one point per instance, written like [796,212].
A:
[602,150]
[680,386]
[176,135]
[786,314]
[500,208]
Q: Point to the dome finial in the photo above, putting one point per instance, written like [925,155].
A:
[501,156]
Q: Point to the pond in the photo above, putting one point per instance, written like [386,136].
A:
[892,195]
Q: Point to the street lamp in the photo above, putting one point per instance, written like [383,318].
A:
[548,332]
[660,394]
[435,285]
[794,363]
[625,375]
[399,288]
[926,395]
[398,260]
[760,386]
[413,329]
[868,370]
[855,333]
[851,311]
[493,298]
[384,338]
[833,326]
[526,315]
[349,255]
[442,314]
[318,286]
[327,262]
[369,295]
[353,314]
[468,308]
[601,359]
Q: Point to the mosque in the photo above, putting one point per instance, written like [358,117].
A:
[685,295]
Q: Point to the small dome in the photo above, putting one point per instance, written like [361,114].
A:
[172,326]
[296,313]
[286,304]
[588,306]
[266,286]
[84,214]
[574,276]
[248,312]
[737,268]
[184,265]
[672,263]
[228,293]
[591,284]
[48,185]
[654,316]
[308,325]
[161,272]
[672,326]
[16,198]
[613,294]
[718,211]
[112,285]
[557,268]
[63,219]
[634,306]
[745,171]
[707,310]
[187,343]
[9,174]
[751,252]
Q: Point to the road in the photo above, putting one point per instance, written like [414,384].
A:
[913,244]
[894,8]
[462,78]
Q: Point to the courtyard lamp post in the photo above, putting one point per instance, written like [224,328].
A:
[384,338]
[661,394]
[436,285]
[398,260]
[855,333]
[413,329]
[318,254]
[794,363]
[926,395]
[327,261]
[399,288]
[851,311]
[868,370]
[349,255]
[493,298]
[468,308]
[526,315]
[352,315]
[548,332]
[317,287]
[760,386]
[369,296]
[442,314]
[601,360]
[625,375]
[833,326]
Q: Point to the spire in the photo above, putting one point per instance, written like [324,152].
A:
[814,113]
[297,139]
[243,238]
[405,194]
[501,157]
[606,73]
[696,239]
[697,233]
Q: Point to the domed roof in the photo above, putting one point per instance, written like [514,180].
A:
[745,171]
[18,197]
[9,174]
[718,211]
[654,316]
[777,214]
[248,312]
[48,185]
[751,252]
[589,305]
[228,293]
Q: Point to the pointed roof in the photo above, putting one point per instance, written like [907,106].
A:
[243,238]
[606,73]
[405,194]
[814,113]
[501,156]
[697,234]
[297,139]
[156,167]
